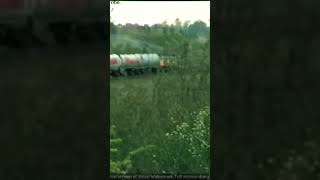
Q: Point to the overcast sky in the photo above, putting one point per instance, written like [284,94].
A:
[153,12]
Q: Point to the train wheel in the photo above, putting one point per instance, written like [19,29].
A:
[122,72]
[154,70]
[118,73]
[129,72]
[136,72]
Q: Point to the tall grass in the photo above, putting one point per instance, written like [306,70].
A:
[146,110]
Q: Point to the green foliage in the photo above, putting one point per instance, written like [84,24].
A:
[194,138]
[132,38]
[122,166]
[145,106]
[117,166]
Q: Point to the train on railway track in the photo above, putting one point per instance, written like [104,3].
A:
[135,64]
[52,21]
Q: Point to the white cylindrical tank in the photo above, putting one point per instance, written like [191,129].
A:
[154,61]
[144,62]
[127,64]
[129,61]
[115,62]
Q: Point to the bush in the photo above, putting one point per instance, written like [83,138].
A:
[189,144]
[122,166]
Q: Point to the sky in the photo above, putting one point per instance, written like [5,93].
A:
[153,12]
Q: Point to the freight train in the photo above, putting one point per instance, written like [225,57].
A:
[135,64]
[56,21]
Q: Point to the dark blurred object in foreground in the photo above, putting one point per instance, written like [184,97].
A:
[53,114]
[38,23]
[266,89]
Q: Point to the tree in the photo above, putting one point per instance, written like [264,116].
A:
[178,23]
[113,28]
[198,28]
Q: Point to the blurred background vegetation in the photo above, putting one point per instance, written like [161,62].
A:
[266,90]
[158,38]
[52,113]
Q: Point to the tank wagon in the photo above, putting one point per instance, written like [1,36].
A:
[52,20]
[134,64]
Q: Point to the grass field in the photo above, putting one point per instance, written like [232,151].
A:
[145,109]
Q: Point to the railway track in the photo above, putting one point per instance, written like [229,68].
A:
[141,76]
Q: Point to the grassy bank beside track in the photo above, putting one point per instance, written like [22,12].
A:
[143,109]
